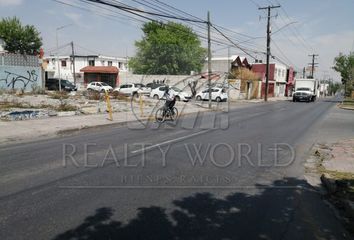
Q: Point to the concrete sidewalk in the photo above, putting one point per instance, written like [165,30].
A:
[15,131]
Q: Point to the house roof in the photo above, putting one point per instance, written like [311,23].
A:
[100,69]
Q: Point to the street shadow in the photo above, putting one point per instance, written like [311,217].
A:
[265,215]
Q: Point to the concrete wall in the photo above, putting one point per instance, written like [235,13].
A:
[17,77]
[174,80]
[20,72]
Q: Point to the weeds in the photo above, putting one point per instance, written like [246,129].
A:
[35,90]
[64,107]
[5,104]
[119,96]
[59,95]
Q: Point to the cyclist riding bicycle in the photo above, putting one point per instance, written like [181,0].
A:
[170,98]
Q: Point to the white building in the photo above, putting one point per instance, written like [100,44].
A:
[280,72]
[224,64]
[62,66]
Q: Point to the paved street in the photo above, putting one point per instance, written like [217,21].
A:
[231,175]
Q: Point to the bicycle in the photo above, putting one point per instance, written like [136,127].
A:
[164,112]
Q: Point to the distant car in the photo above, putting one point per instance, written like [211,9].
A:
[132,89]
[99,86]
[302,97]
[158,93]
[53,84]
[217,94]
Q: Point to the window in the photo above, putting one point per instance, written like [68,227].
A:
[91,62]
[119,65]
[63,63]
[109,63]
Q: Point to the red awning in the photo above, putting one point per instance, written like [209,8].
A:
[100,69]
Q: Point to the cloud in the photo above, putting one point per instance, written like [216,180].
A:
[10,2]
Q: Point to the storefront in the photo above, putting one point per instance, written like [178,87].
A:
[106,74]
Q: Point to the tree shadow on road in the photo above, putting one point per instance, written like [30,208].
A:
[274,213]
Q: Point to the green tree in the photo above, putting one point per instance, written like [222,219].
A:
[344,64]
[18,38]
[334,88]
[170,48]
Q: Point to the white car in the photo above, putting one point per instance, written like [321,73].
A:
[158,93]
[132,89]
[217,94]
[99,86]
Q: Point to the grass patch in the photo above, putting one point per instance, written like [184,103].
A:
[6,105]
[65,107]
[59,95]
[36,90]
[120,96]
[93,95]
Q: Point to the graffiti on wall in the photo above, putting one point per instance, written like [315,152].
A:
[13,79]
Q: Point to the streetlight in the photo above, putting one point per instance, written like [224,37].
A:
[56,37]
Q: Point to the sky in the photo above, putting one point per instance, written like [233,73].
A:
[323,27]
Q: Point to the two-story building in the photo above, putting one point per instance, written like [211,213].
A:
[277,81]
[87,68]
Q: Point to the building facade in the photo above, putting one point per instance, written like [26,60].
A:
[63,67]
[277,82]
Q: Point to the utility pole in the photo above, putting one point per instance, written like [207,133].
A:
[73,61]
[268,49]
[209,59]
[313,64]
[57,42]
[303,72]
[58,59]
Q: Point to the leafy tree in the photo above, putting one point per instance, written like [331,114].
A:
[170,48]
[334,87]
[344,64]
[18,38]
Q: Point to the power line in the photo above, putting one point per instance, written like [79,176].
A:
[135,10]
[297,32]
[284,56]
[226,37]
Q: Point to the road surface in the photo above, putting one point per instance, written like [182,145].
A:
[232,175]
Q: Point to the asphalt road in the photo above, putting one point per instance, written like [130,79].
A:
[232,175]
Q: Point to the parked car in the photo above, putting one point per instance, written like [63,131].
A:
[158,93]
[53,84]
[133,89]
[302,97]
[99,86]
[217,94]
[153,85]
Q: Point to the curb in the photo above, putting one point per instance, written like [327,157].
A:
[345,108]
[77,130]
